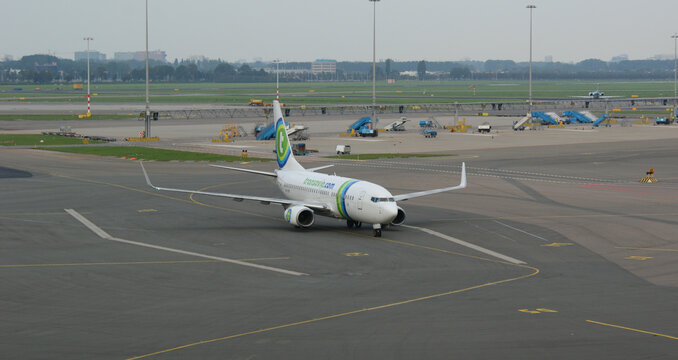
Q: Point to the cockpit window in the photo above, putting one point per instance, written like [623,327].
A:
[376,199]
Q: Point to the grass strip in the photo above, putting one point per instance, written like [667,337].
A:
[39,139]
[12,117]
[147,153]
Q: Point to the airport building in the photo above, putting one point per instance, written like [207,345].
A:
[157,55]
[93,56]
[324,66]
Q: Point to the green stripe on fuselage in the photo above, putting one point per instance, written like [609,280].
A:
[340,208]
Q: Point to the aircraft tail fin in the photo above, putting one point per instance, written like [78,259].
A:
[283,147]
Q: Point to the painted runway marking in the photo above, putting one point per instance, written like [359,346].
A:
[467,244]
[146,210]
[639,258]
[495,173]
[133,263]
[348,313]
[556,244]
[538,311]
[632,329]
[368,140]
[519,230]
[104,235]
[627,190]
[649,249]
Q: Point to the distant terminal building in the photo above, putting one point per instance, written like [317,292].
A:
[324,66]
[93,56]
[619,58]
[157,55]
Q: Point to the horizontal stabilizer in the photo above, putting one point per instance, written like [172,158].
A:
[258,172]
[320,167]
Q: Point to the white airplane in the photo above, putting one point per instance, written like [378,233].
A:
[310,193]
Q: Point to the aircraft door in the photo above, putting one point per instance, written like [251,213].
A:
[360,200]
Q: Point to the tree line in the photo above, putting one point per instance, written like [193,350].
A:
[47,69]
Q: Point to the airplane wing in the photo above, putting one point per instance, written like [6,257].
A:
[461,185]
[261,199]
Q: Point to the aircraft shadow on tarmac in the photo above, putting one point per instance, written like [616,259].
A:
[8,173]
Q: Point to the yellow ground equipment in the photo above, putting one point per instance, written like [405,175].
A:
[228,132]
[644,120]
[649,177]
[460,127]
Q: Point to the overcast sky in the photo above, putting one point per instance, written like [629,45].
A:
[304,30]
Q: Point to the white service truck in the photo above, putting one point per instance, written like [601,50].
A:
[343,149]
[484,128]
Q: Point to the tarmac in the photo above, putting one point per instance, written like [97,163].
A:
[159,275]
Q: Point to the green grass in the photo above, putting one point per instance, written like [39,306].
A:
[383,156]
[294,94]
[147,153]
[38,139]
[63,117]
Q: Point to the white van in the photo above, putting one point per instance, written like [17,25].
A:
[343,149]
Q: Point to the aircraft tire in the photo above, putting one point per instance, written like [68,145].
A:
[377,232]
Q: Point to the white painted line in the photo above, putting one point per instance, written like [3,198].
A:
[222,145]
[368,140]
[574,130]
[466,134]
[522,231]
[104,235]
[467,244]
[90,225]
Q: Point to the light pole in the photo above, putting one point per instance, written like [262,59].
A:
[88,38]
[147,122]
[374,59]
[531,7]
[277,86]
[675,74]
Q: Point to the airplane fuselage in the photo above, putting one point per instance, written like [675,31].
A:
[346,198]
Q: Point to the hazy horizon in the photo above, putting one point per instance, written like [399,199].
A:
[432,30]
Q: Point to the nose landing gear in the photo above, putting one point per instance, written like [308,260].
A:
[377,230]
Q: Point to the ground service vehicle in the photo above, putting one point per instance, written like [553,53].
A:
[343,149]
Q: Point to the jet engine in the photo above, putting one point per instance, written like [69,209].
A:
[299,216]
[400,218]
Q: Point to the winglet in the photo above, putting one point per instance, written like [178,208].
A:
[148,181]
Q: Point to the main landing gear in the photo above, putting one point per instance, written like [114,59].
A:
[351,224]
